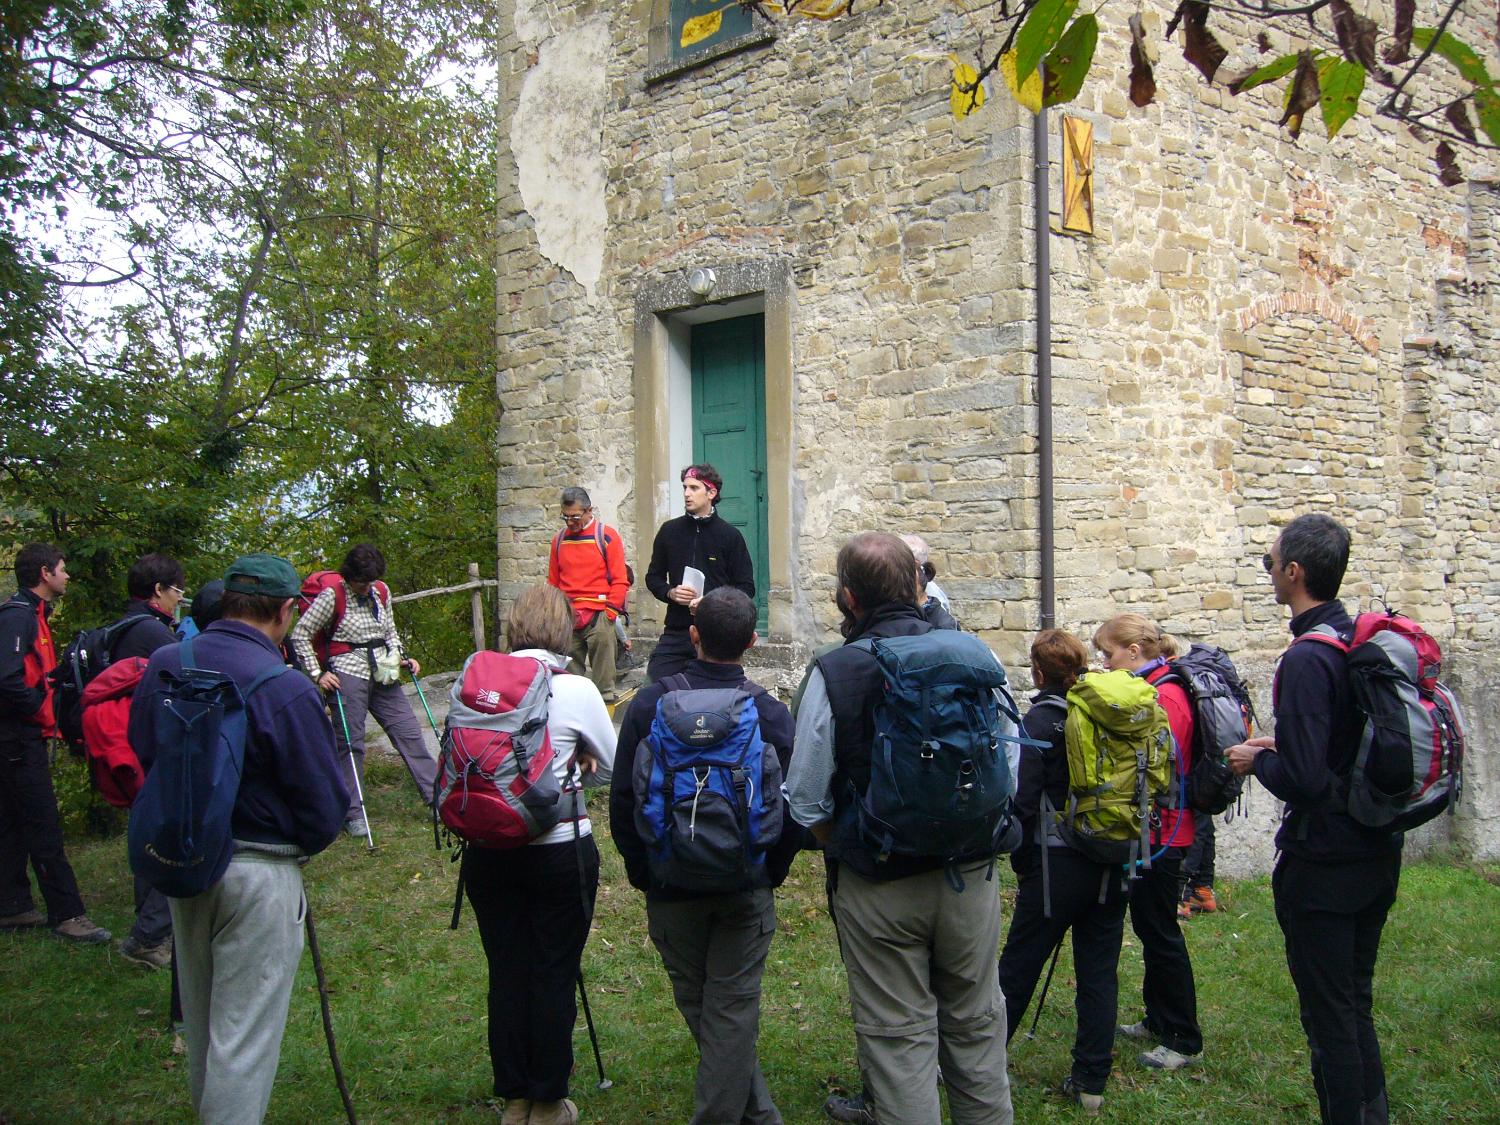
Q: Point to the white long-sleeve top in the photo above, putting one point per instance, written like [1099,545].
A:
[577,723]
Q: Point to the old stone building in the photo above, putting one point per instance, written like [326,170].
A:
[778,250]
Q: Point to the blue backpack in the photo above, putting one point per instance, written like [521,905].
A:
[940,780]
[180,838]
[707,790]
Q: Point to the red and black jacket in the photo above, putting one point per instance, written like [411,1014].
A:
[27,656]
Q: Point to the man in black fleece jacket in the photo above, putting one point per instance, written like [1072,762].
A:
[713,946]
[1336,879]
[700,538]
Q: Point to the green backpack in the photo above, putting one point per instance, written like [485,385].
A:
[1121,760]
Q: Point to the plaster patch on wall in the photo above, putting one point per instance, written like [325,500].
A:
[534,20]
[557,137]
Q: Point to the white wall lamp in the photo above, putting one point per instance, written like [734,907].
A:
[701,281]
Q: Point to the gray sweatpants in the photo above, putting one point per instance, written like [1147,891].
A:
[922,984]
[238,945]
[392,710]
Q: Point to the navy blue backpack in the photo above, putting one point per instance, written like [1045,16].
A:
[707,791]
[180,838]
[940,779]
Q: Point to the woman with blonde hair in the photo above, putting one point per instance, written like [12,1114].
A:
[1134,643]
[1071,892]
[534,904]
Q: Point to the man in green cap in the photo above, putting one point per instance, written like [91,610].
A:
[238,943]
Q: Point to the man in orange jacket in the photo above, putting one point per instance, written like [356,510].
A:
[588,565]
[29,824]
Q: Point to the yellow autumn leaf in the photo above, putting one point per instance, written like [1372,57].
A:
[699,28]
[1030,92]
[821,9]
[965,97]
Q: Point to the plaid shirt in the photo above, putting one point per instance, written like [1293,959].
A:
[365,619]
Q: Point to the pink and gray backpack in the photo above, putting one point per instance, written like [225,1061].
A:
[496,787]
[1409,766]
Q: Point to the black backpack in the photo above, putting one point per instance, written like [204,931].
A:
[86,656]
[1222,717]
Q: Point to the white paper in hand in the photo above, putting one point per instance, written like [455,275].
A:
[692,576]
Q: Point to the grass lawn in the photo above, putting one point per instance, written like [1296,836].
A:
[84,1037]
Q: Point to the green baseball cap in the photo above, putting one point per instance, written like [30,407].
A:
[266,575]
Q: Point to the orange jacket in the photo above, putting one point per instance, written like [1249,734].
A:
[589,567]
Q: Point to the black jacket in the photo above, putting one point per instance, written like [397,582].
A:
[19,700]
[142,637]
[854,682]
[1318,728]
[1043,769]
[713,545]
[776,730]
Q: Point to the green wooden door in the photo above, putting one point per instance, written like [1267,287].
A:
[729,429]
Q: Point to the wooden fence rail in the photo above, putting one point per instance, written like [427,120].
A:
[475,585]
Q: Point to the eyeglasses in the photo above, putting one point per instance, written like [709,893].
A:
[578,518]
[178,590]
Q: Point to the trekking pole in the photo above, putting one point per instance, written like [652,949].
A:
[1046,984]
[423,697]
[588,1018]
[359,790]
[333,1050]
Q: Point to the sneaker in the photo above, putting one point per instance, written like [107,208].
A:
[147,956]
[26,920]
[80,929]
[855,1108]
[357,827]
[1091,1103]
[1200,900]
[1184,911]
[1138,1031]
[517,1111]
[1162,1057]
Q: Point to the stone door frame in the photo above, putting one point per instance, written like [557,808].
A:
[664,308]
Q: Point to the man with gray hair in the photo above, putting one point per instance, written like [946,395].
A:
[588,565]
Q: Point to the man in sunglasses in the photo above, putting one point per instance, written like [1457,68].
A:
[587,564]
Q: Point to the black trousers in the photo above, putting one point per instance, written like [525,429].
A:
[533,922]
[1332,916]
[31,831]
[673,651]
[1097,928]
[1198,864]
[1167,988]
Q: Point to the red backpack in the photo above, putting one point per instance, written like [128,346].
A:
[313,585]
[1409,766]
[496,787]
[105,708]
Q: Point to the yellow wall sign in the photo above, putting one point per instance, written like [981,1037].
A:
[701,25]
[1078,175]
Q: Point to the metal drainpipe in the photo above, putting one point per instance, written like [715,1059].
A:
[1044,372]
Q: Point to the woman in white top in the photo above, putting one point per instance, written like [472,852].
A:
[534,904]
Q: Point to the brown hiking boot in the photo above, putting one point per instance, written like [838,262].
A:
[554,1113]
[26,920]
[80,929]
[147,956]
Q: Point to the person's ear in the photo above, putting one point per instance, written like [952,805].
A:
[753,638]
[693,636]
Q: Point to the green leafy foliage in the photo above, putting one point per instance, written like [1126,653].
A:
[1280,68]
[1340,84]
[1040,33]
[1068,63]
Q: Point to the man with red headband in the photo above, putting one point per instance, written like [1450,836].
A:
[699,539]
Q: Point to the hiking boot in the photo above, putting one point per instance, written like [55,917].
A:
[26,920]
[553,1113]
[1091,1103]
[157,956]
[80,929]
[1162,1057]
[855,1108]
[517,1111]
[1137,1031]
[357,827]
[1184,911]
[1200,900]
